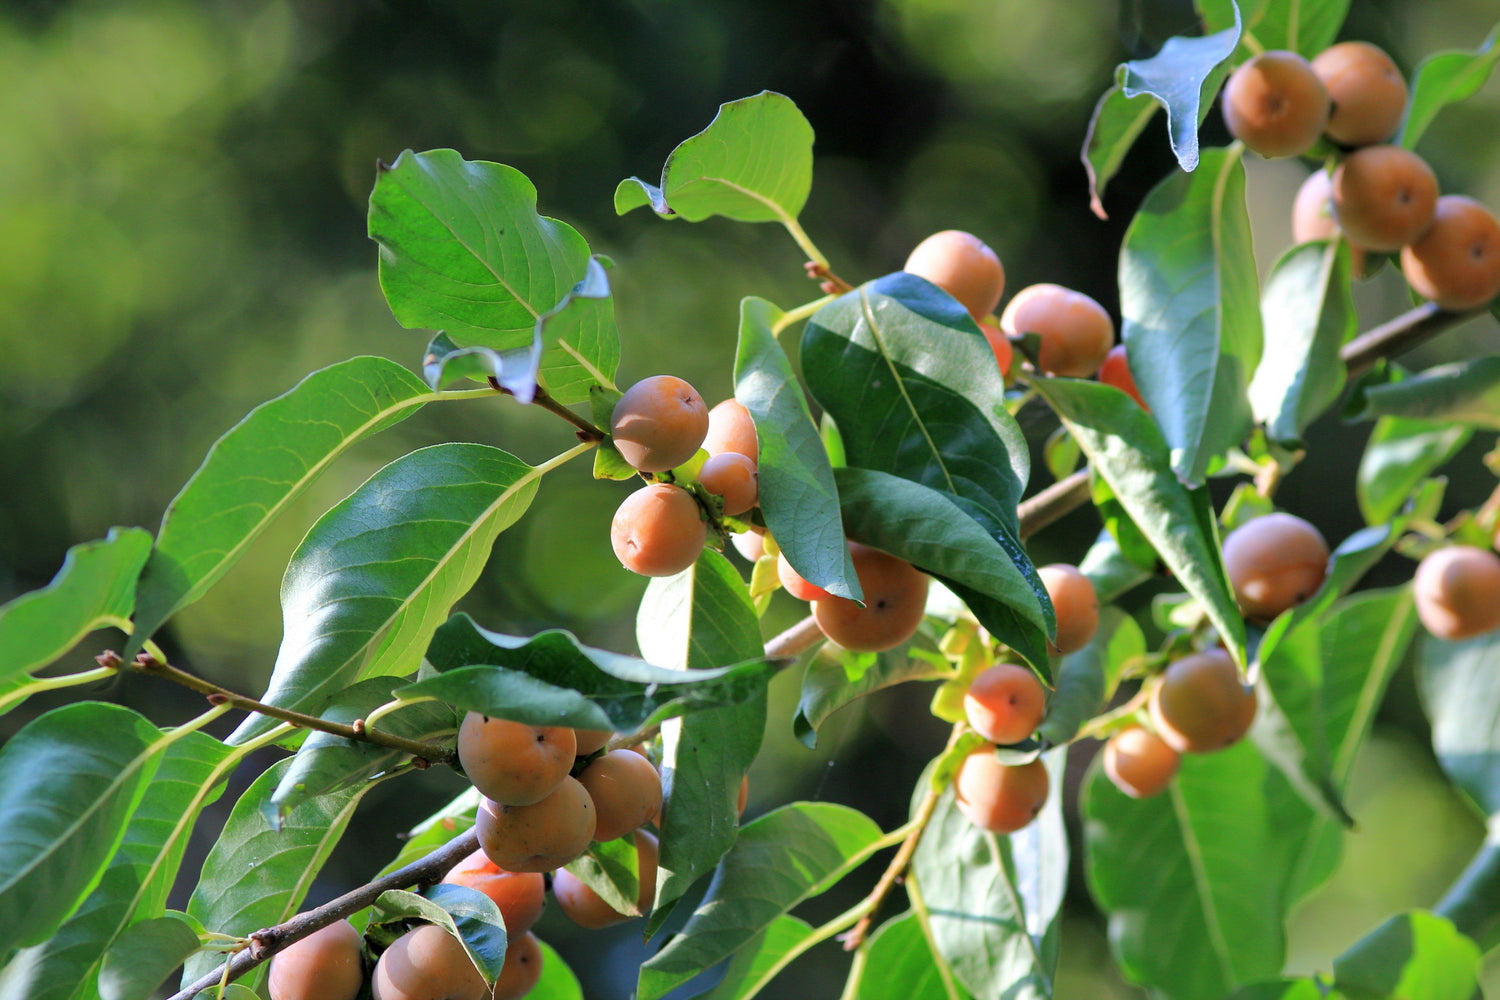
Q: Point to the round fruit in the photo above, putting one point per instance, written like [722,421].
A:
[659,423]
[625,789]
[427,963]
[963,266]
[512,762]
[1458,592]
[1367,90]
[1140,763]
[325,965]
[999,797]
[1384,197]
[540,837]
[1115,371]
[1275,104]
[522,968]
[795,584]
[731,428]
[1076,332]
[1000,345]
[658,531]
[1005,703]
[520,896]
[586,908]
[751,545]
[895,600]
[590,740]
[1200,703]
[1074,602]
[1456,263]
[1312,218]
[733,477]
[1274,562]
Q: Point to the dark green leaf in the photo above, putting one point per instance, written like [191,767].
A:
[1470,902]
[826,687]
[1086,679]
[1445,78]
[798,498]
[930,530]
[375,577]
[1413,954]
[1117,122]
[95,587]
[1460,684]
[143,957]
[1281,989]
[260,466]
[1467,392]
[466,913]
[760,959]
[552,679]
[902,965]
[996,902]
[700,619]
[786,856]
[753,163]
[1307,311]
[1190,310]
[69,782]
[1399,455]
[1125,447]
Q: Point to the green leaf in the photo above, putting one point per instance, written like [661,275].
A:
[930,530]
[996,902]
[445,361]
[1191,310]
[913,386]
[260,466]
[1307,27]
[1179,77]
[95,587]
[135,884]
[760,959]
[1125,447]
[552,679]
[452,820]
[1470,902]
[69,782]
[557,981]
[1399,455]
[902,965]
[1460,685]
[826,687]
[798,497]
[375,577]
[257,874]
[1109,571]
[1412,954]
[1467,392]
[753,163]
[782,858]
[1086,679]
[1280,989]
[1116,123]
[144,956]
[462,249]
[700,619]
[327,763]
[466,913]
[612,870]
[1133,543]
[1445,78]
[1307,312]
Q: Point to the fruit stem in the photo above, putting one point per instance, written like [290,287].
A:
[804,241]
[587,432]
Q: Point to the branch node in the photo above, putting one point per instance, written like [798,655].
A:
[110,660]
[358,725]
[421,763]
[218,699]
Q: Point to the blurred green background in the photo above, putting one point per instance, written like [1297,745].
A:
[182,199]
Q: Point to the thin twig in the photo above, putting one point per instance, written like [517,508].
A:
[1054,503]
[586,430]
[1401,334]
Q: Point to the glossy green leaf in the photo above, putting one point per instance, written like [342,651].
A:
[1445,78]
[753,163]
[557,981]
[1116,123]
[466,913]
[95,587]
[375,577]
[552,679]
[1307,26]
[144,956]
[1399,455]
[996,901]
[134,885]
[1412,954]
[445,361]
[463,250]
[612,870]
[69,782]
[700,619]
[1125,447]
[759,960]
[1182,78]
[258,468]
[798,497]
[327,763]
[927,528]
[1190,304]
[1086,679]
[827,687]
[782,858]
[1307,311]
[257,874]
[913,386]
[1460,684]
[902,965]
[1467,392]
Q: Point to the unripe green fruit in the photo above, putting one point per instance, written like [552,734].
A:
[1457,591]
[1384,197]
[1275,104]
[1005,703]
[1200,704]
[325,965]
[1274,562]
[1140,763]
[540,837]
[512,762]
[587,908]
[998,797]
[1076,331]
[1456,263]
[1074,602]
[963,266]
[427,963]
[625,790]
[734,477]
[659,423]
[1367,91]
[895,600]
[520,896]
[658,530]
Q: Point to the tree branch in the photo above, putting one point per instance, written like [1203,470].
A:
[586,430]
[1410,329]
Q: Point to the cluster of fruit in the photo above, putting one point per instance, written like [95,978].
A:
[1382,197]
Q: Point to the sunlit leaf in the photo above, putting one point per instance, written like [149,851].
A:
[144,956]
[902,965]
[557,981]
[827,687]
[1460,684]
[1108,570]
[612,870]
[1466,392]
[1445,78]
[1307,26]
[1116,123]
[756,962]
[1398,456]
[1281,989]
[1413,954]
[1087,678]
